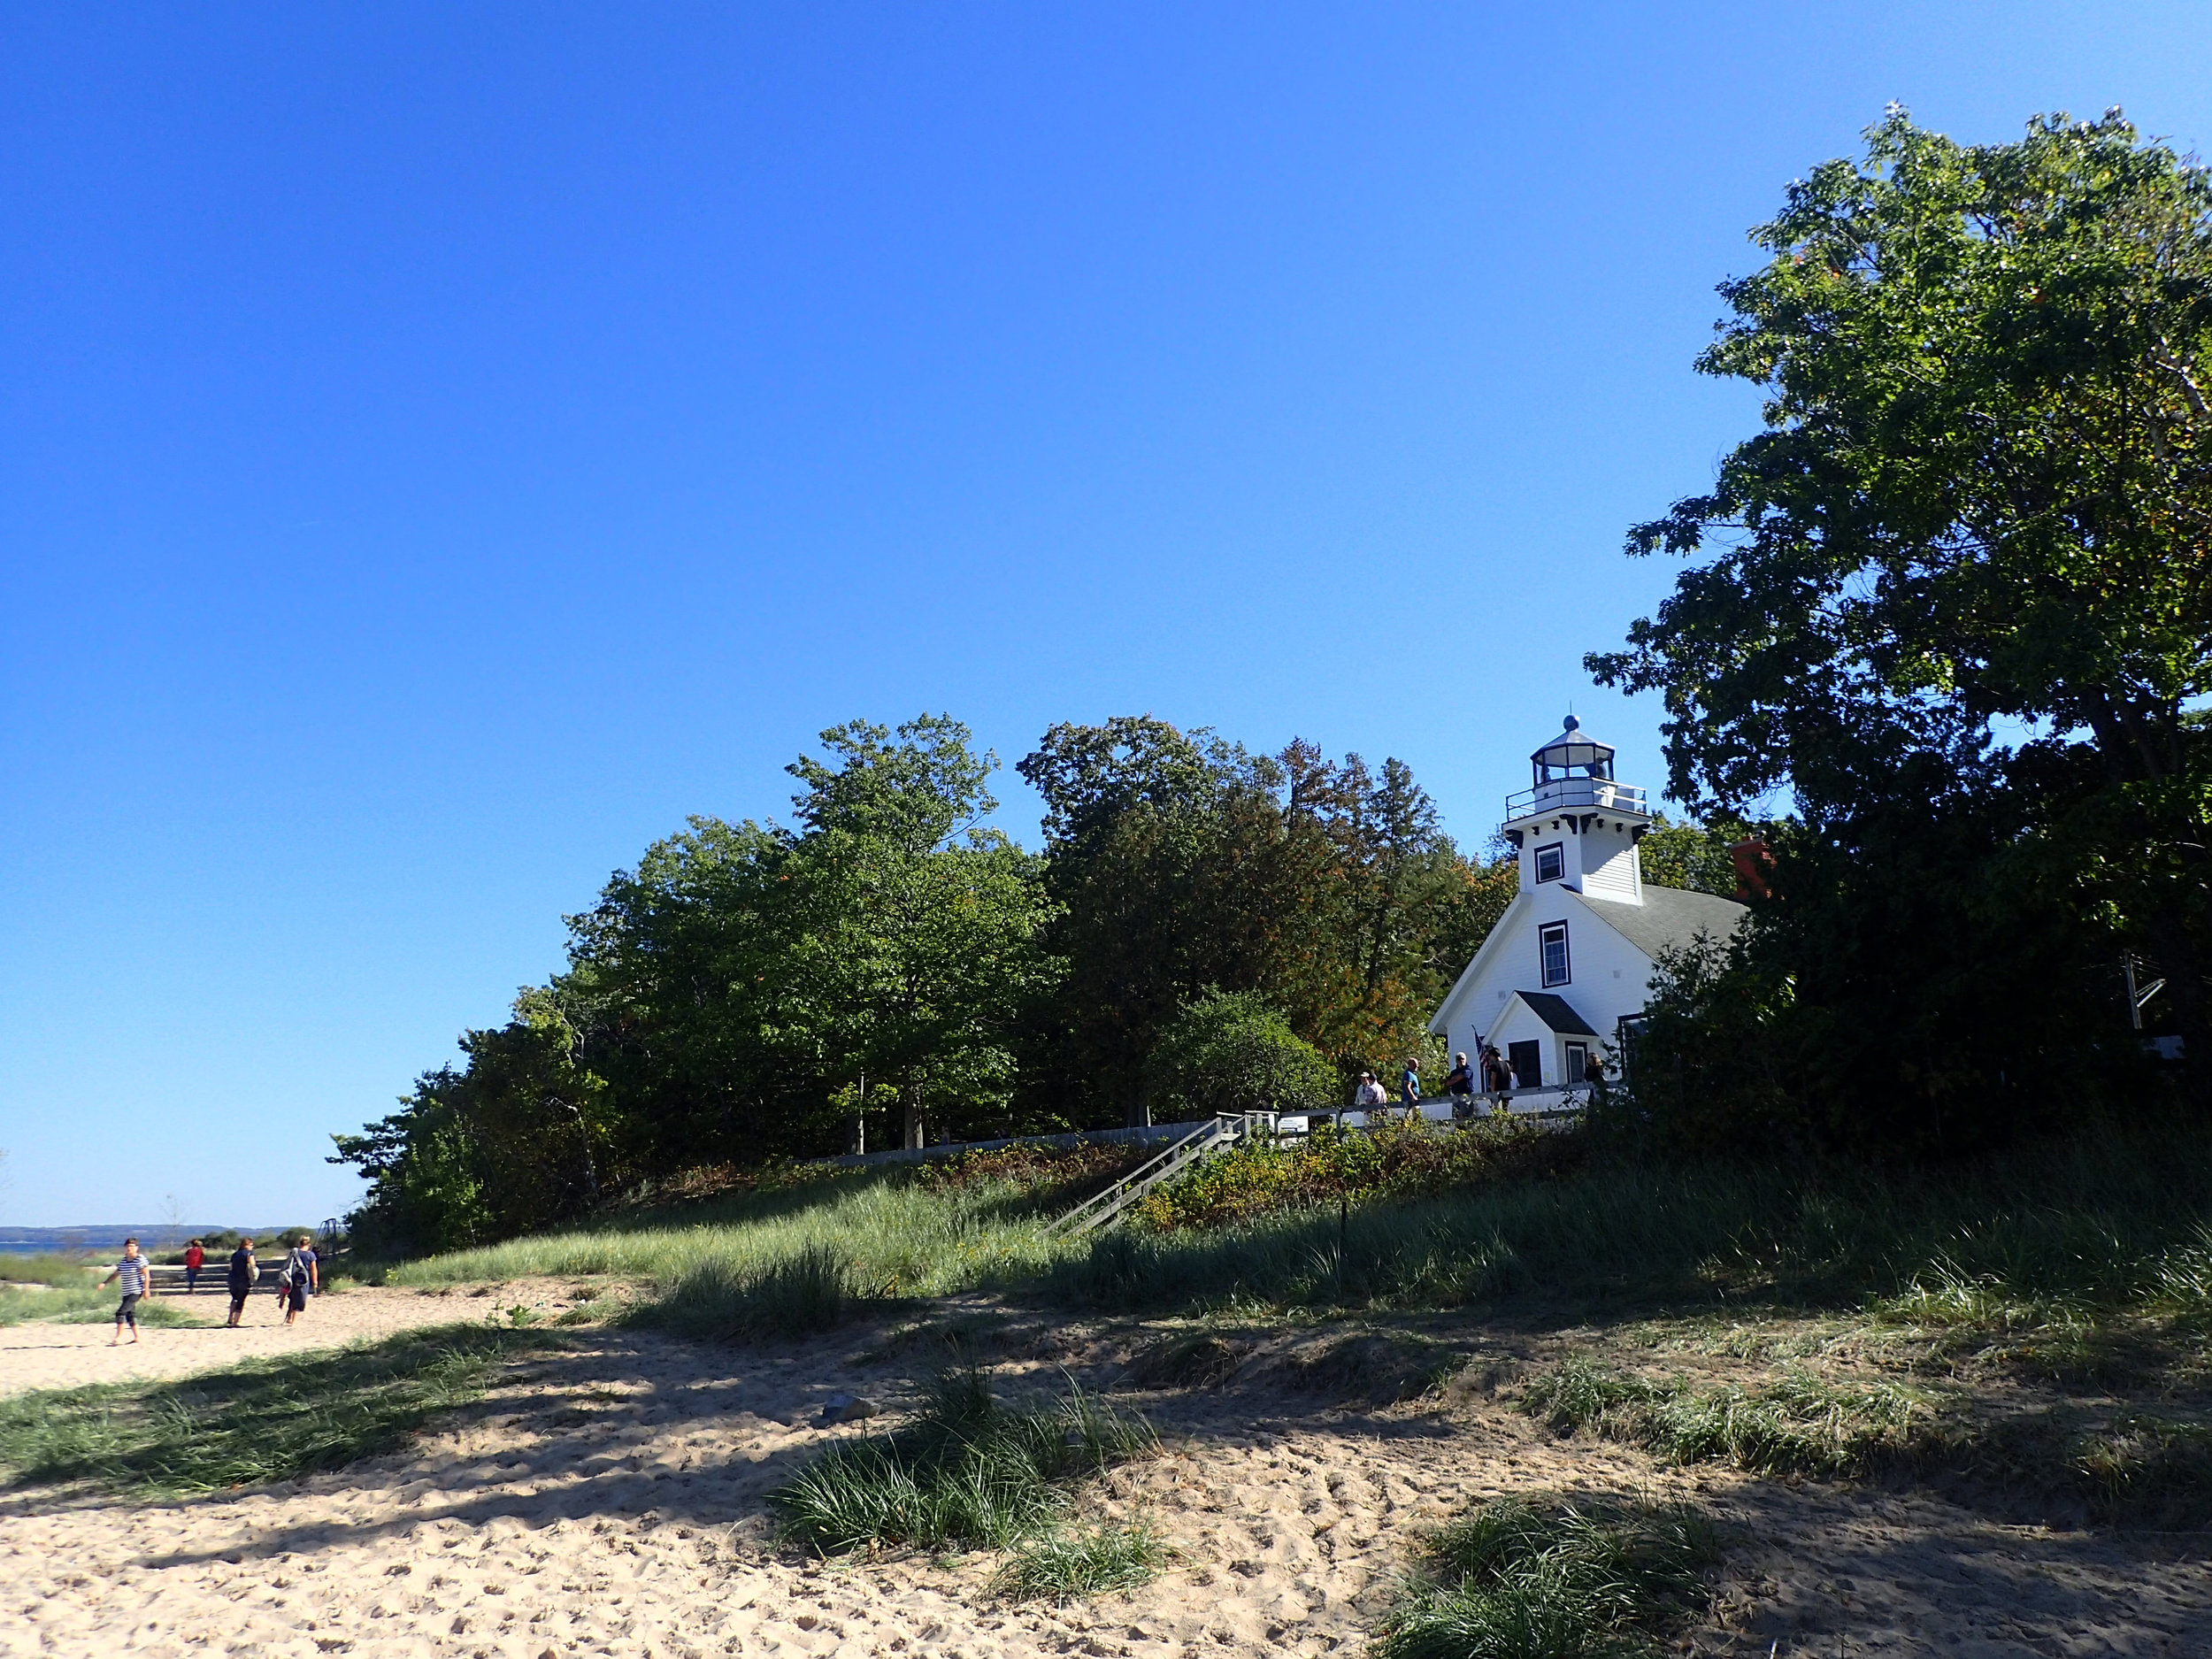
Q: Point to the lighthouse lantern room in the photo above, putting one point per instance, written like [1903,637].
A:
[1577,823]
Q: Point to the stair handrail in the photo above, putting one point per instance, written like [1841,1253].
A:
[1146,1168]
[1227,1127]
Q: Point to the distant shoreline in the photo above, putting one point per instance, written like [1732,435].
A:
[109,1236]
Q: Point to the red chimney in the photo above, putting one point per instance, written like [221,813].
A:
[1754,860]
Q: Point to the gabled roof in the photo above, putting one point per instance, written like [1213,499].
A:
[1669,917]
[1551,1009]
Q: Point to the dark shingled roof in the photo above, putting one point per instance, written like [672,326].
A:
[1670,917]
[1551,1009]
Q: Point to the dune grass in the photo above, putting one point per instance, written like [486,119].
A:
[266,1420]
[2063,1242]
[1074,1566]
[63,1272]
[967,1471]
[41,1286]
[18,1305]
[889,1234]
[1553,1579]
[1796,1423]
[2114,1219]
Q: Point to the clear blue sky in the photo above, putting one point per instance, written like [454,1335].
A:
[445,445]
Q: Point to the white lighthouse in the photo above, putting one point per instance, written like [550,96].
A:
[1572,958]
[1577,823]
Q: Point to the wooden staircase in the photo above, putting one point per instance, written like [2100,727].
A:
[1226,1130]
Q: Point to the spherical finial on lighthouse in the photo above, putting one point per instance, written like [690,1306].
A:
[1571,723]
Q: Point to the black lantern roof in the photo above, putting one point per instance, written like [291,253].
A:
[1574,753]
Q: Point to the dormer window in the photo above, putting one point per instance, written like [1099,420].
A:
[1551,943]
[1551,862]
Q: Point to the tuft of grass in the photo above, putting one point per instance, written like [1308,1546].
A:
[1192,1359]
[1797,1425]
[2148,1469]
[802,1294]
[1069,1567]
[1800,1423]
[967,1471]
[1580,1393]
[266,1420]
[1553,1579]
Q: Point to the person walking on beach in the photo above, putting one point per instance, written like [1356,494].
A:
[195,1254]
[298,1279]
[137,1283]
[243,1270]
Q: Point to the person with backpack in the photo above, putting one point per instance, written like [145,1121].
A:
[243,1270]
[297,1279]
[1495,1074]
[136,1282]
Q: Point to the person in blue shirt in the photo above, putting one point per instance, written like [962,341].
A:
[1409,1089]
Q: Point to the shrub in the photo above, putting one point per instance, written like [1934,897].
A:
[1233,1052]
[1392,1159]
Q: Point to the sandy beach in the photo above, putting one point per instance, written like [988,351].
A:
[607,1500]
[42,1355]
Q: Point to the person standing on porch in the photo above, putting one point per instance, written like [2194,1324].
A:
[1459,1083]
[1496,1075]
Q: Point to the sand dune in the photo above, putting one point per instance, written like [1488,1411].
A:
[608,1501]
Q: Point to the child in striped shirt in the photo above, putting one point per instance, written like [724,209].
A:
[137,1283]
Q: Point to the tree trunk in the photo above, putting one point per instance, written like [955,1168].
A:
[1138,1115]
[914,1126]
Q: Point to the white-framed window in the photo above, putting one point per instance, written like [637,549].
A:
[1551,862]
[1551,941]
[1578,1062]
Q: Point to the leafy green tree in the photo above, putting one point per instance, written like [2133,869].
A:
[920,955]
[1232,1052]
[1696,857]
[1184,864]
[519,1138]
[681,979]
[426,1181]
[1973,531]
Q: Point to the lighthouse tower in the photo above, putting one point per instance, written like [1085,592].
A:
[1577,825]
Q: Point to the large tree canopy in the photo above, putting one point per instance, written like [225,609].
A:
[1978,523]
[727,997]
